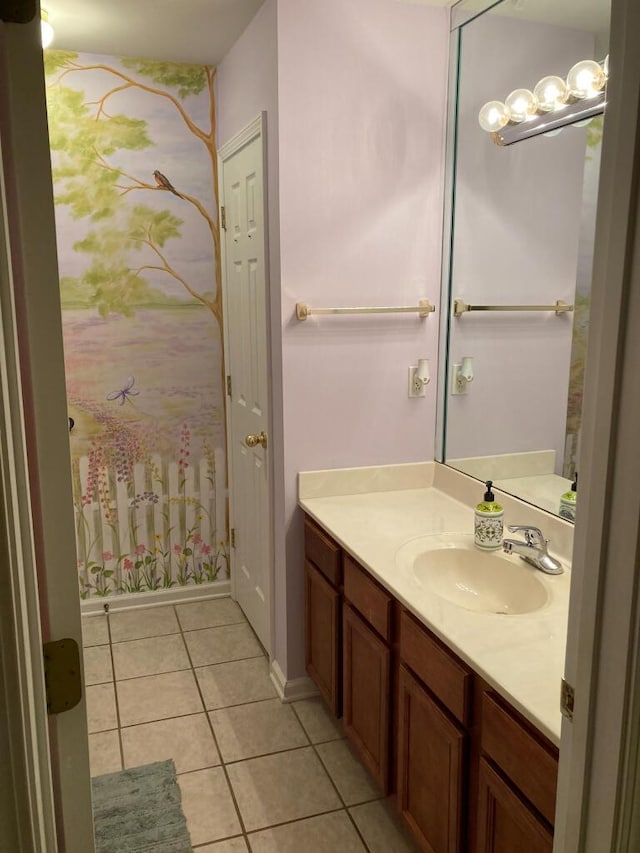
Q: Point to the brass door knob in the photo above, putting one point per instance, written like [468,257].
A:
[254,440]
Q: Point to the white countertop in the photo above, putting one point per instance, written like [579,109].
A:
[521,656]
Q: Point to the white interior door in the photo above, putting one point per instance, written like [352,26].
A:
[247,364]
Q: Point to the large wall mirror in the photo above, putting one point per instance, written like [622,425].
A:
[524,176]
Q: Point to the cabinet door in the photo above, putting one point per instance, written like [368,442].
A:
[431,769]
[322,636]
[367,699]
[505,822]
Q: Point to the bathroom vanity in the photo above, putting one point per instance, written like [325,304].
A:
[455,712]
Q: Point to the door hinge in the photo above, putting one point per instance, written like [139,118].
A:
[233,537]
[228,386]
[223,218]
[567,699]
[62,680]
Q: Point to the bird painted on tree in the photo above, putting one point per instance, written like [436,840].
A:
[165,184]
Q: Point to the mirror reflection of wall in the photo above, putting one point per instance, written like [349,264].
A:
[523,228]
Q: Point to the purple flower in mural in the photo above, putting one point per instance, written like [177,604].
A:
[125,392]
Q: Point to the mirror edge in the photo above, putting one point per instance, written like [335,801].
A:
[447,236]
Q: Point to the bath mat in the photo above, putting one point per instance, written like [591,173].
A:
[139,811]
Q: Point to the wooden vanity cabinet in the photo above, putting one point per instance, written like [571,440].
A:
[366,637]
[517,778]
[431,769]
[506,824]
[323,614]
[434,706]
[367,695]
[471,775]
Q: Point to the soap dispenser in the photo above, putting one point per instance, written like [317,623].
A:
[569,500]
[488,525]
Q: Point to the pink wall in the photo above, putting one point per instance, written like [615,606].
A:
[356,153]
[247,84]
[362,90]
[518,213]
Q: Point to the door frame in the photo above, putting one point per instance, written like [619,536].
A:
[597,782]
[51,753]
[22,702]
[257,128]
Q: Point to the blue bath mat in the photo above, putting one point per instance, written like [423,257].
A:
[140,811]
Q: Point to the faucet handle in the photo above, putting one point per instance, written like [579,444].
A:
[533,535]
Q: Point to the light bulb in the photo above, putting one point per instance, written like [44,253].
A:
[586,79]
[493,116]
[584,122]
[46,30]
[605,66]
[550,93]
[520,105]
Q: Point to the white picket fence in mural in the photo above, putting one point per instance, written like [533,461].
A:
[198,505]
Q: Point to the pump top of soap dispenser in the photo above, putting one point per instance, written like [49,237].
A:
[489,504]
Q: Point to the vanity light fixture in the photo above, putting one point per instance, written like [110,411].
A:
[553,104]
[46,30]
[419,378]
[462,375]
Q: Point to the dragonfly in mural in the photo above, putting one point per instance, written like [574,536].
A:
[125,392]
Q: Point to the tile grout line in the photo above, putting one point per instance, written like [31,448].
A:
[215,740]
[340,797]
[115,693]
[299,820]
[244,832]
[177,633]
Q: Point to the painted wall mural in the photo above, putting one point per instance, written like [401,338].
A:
[135,179]
[583,294]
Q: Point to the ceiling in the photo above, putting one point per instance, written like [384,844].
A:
[203,31]
[200,31]
[589,15]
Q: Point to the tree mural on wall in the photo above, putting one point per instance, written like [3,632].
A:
[149,502]
[582,300]
[86,136]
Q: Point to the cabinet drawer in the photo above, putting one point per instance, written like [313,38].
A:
[369,599]
[531,766]
[441,672]
[323,553]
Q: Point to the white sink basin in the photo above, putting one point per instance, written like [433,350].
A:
[451,566]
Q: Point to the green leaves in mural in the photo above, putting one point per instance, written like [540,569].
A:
[56,60]
[595,129]
[110,283]
[83,178]
[157,226]
[111,287]
[187,79]
[89,178]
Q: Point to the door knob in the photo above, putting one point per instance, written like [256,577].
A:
[254,440]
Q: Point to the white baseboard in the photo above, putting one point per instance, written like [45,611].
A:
[157,597]
[294,689]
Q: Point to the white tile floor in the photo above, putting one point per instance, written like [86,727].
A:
[191,682]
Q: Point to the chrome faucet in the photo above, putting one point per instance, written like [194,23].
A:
[533,549]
